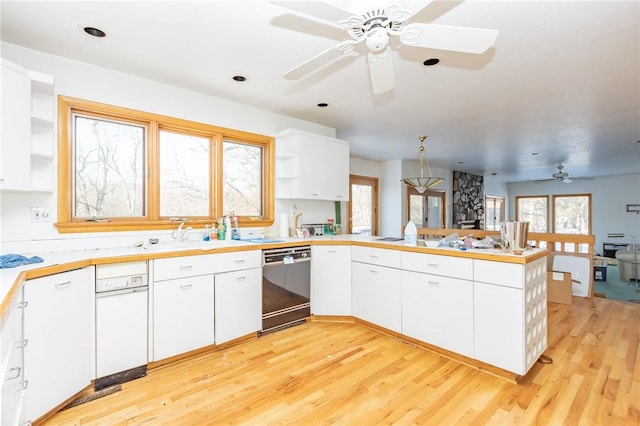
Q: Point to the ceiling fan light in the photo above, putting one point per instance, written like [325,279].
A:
[377,39]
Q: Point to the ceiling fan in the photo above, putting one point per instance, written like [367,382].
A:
[375,28]
[561,176]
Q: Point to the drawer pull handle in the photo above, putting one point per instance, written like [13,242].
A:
[63,285]
[186,268]
[373,271]
[23,385]
[22,343]
[332,251]
[239,261]
[373,256]
[12,373]
[434,283]
[242,278]
[185,286]
[22,305]
[433,265]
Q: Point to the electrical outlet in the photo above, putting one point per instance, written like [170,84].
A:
[40,215]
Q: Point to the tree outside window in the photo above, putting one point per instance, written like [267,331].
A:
[533,209]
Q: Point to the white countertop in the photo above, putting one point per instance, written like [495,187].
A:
[9,276]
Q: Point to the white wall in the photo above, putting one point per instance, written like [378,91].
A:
[81,80]
[391,190]
[609,197]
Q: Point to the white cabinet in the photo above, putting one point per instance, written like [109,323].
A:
[310,166]
[510,313]
[58,328]
[11,359]
[183,315]
[16,107]
[204,299]
[376,290]
[331,280]
[438,310]
[238,303]
[27,144]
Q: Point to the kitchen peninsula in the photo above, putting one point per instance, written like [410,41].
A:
[483,307]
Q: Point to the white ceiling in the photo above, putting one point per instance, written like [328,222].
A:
[563,79]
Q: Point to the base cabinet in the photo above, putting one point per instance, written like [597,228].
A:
[331,280]
[376,295]
[183,315]
[438,310]
[11,359]
[238,304]
[58,328]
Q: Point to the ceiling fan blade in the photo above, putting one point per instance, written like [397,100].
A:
[317,61]
[381,72]
[446,37]
[317,9]
[412,13]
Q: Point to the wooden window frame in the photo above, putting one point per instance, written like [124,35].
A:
[517,215]
[374,183]
[67,106]
[553,208]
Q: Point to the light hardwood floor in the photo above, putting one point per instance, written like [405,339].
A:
[348,374]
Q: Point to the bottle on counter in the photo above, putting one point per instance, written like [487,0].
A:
[227,227]
[221,230]
[235,230]
[214,232]
[206,235]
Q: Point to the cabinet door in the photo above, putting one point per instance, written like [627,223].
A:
[312,169]
[57,325]
[497,319]
[376,295]
[337,176]
[183,315]
[238,304]
[331,280]
[438,310]
[16,133]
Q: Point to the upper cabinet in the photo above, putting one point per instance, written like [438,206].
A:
[27,143]
[311,167]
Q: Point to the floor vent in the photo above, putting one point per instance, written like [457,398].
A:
[93,396]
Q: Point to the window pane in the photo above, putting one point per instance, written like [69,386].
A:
[571,214]
[242,179]
[184,174]
[416,210]
[361,209]
[108,168]
[533,210]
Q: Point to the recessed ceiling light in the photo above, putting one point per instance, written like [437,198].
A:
[494,174]
[534,153]
[460,162]
[96,32]
[239,78]
[431,62]
[323,105]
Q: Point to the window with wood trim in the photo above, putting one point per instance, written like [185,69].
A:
[533,209]
[121,169]
[572,214]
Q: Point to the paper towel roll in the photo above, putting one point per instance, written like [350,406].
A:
[284,225]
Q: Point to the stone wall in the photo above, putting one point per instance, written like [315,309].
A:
[468,198]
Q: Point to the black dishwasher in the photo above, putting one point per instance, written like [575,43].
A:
[286,282]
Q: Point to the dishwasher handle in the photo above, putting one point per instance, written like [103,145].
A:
[122,292]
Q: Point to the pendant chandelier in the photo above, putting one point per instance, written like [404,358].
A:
[422,183]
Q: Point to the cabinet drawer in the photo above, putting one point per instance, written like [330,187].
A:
[446,266]
[505,274]
[181,267]
[235,261]
[376,256]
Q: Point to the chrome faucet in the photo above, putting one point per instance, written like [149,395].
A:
[180,233]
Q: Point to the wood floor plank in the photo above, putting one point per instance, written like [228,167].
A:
[344,373]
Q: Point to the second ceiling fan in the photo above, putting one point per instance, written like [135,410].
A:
[375,28]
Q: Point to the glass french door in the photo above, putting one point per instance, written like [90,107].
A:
[426,210]
[363,205]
